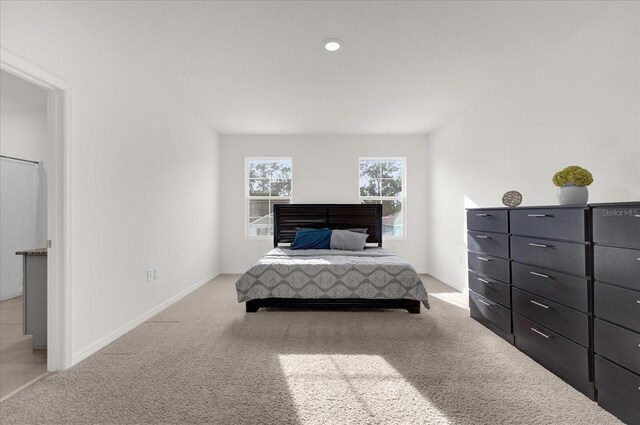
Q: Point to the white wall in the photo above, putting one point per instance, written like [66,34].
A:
[145,177]
[24,135]
[578,103]
[325,170]
[23,119]
[23,122]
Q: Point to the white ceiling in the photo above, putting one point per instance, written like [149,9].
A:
[18,95]
[259,67]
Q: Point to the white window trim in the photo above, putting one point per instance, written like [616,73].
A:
[246,192]
[403,199]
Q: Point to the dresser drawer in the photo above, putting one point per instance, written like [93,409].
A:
[565,358]
[488,220]
[557,223]
[617,305]
[486,310]
[618,390]
[489,243]
[564,257]
[490,288]
[564,289]
[618,225]
[617,344]
[565,321]
[620,266]
[488,265]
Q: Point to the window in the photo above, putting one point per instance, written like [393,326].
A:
[268,183]
[382,181]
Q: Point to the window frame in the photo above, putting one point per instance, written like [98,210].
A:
[402,199]
[248,198]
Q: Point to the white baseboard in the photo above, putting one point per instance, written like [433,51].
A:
[109,338]
[454,285]
[233,271]
[10,297]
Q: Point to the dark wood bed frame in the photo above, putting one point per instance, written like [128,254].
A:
[288,217]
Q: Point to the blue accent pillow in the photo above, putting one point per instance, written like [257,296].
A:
[312,239]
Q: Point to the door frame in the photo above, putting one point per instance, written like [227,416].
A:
[58,204]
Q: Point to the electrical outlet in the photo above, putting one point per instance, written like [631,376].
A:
[156,273]
[149,275]
[460,259]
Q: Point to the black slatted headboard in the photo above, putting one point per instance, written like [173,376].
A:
[287,217]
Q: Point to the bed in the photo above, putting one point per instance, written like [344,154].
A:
[321,278]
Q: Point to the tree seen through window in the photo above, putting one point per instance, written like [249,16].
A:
[269,183]
[381,182]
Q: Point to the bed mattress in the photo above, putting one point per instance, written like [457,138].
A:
[374,273]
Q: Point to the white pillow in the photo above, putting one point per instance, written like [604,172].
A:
[351,241]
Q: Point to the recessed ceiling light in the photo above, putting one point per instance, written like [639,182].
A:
[332,44]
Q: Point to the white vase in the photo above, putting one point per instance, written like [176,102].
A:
[570,194]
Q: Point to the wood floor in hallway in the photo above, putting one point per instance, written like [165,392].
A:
[19,362]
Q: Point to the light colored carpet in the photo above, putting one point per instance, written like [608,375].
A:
[204,360]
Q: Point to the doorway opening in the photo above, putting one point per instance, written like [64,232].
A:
[23,233]
[47,166]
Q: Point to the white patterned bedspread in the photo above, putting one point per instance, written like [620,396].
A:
[374,273]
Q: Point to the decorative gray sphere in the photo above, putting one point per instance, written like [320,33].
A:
[512,198]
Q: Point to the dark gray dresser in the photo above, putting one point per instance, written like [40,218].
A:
[616,265]
[489,269]
[551,269]
[568,277]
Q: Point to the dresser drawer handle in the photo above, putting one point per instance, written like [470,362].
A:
[539,304]
[484,237]
[540,333]
[484,259]
[485,303]
[539,245]
[483,280]
[539,274]
[539,215]
[483,215]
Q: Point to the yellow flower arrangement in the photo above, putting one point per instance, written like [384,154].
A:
[573,174]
